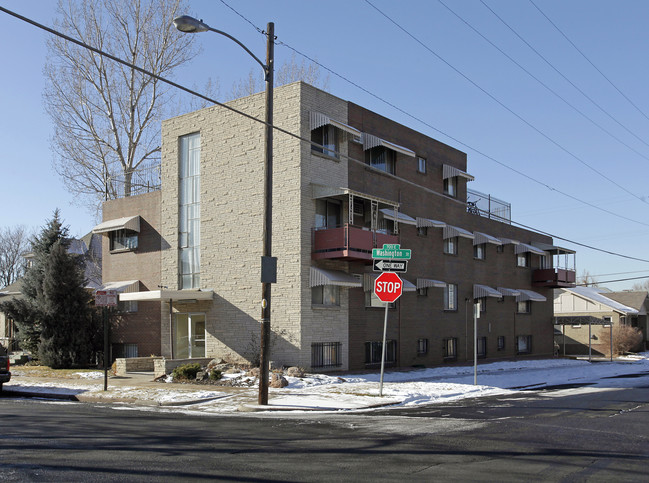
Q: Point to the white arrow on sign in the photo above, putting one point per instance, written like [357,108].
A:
[390,265]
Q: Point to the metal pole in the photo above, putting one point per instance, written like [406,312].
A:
[590,342]
[611,337]
[106,348]
[385,330]
[476,314]
[268,216]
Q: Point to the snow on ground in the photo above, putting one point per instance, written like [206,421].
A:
[360,391]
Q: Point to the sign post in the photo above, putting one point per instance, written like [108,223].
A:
[105,299]
[388,288]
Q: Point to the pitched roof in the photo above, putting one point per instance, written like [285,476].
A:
[595,294]
[636,300]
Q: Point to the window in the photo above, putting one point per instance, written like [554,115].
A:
[422,346]
[119,351]
[188,336]
[189,212]
[482,303]
[380,157]
[607,320]
[327,136]
[421,165]
[422,231]
[423,291]
[450,296]
[371,300]
[500,249]
[482,347]
[450,349]
[328,214]
[501,342]
[325,295]
[479,251]
[123,240]
[524,344]
[450,186]
[373,351]
[450,245]
[524,307]
[523,260]
[127,306]
[326,354]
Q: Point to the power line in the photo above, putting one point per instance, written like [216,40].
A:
[589,61]
[283,131]
[495,99]
[612,281]
[543,84]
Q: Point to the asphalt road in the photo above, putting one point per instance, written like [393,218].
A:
[562,434]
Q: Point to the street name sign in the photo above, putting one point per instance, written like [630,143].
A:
[390,266]
[388,287]
[391,251]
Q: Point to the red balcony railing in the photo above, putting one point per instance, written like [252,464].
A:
[554,278]
[348,241]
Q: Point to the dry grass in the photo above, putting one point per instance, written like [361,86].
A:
[44,371]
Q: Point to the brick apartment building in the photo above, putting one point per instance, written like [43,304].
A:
[187,258]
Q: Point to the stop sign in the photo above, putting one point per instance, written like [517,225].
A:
[388,286]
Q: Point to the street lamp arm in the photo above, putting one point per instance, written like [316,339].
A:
[188,24]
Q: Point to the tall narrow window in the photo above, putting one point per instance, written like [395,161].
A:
[189,239]
[450,296]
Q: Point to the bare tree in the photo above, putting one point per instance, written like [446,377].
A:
[106,115]
[587,279]
[289,71]
[14,243]
[641,286]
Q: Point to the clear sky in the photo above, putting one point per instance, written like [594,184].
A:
[552,124]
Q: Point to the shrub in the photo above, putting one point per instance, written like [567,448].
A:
[215,375]
[186,371]
[625,339]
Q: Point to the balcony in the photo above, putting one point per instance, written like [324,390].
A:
[554,278]
[348,242]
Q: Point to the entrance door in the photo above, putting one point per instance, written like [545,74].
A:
[189,336]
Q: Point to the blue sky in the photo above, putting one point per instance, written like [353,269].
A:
[467,92]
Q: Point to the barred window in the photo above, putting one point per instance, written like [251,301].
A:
[373,352]
[326,354]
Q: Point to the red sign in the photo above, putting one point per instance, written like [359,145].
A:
[106,298]
[388,287]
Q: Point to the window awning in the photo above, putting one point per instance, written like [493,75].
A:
[368,283]
[529,295]
[127,286]
[388,213]
[321,276]
[127,223]
[318,120]
[429,282]
[370,141]
[480,238]
[524,247]
[509,241]
[451,171]
[426,222]
[165,295]
[453,231]
[554,250]
[508,292]
[485,291]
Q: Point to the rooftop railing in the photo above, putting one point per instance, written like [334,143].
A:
[482,204]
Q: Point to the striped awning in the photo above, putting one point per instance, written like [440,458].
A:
[429,282]
[508,292]
[451,171]
[480,291]
[480,238]
[553,249]
[509,241]
[321,276]
[453,231]
[127,286]
[368,283]
[389,214]
[529,295]
[127,223]
[318,120]
[426,222]
[370,141]
[524,247]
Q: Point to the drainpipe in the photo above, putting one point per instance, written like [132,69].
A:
[171,328]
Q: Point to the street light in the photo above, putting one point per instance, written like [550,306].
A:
[189,24]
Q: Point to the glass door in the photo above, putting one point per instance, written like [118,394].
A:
[189,336]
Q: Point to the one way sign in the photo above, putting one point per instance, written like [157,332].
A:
[390,265]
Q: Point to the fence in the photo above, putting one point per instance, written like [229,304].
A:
[482,204]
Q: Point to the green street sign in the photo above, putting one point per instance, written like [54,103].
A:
[391,251]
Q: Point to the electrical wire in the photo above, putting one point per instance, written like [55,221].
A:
[283,131]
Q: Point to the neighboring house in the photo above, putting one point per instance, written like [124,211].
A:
[189,255]
[89,247]
[640,302]
[583,315]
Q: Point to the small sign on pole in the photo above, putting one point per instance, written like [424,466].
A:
[106,298]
